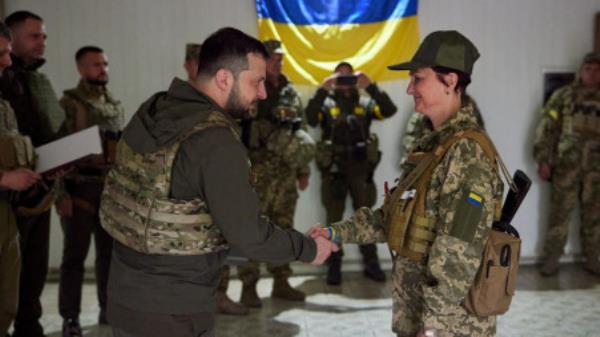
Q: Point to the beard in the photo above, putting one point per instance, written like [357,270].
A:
[234,105]
[99,82]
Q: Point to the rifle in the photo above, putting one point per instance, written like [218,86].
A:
[513,201]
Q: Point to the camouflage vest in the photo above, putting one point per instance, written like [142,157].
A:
[15,148]
[137,210]
[102,109]
[581,114]
[411,232]
[45,100]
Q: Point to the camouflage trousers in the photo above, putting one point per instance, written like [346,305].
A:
[278,202]
[570,185]
[10,265]
[408,281]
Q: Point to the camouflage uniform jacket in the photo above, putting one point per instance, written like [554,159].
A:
[15,149]
[95,105]
[98,105]
[279,154]
[569,130]
[33,99]
[455,254]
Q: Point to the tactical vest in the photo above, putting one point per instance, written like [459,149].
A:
[411,232]
[45,101]
[137,210]
[103,111]
[16,149]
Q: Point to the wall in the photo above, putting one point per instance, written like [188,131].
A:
[518,40]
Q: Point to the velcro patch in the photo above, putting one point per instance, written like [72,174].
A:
[553,114]
[468,213]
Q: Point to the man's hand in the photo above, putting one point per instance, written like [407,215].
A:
[64,207]
[303,182]
[19,179]
[544,171]
[324,249]
[329,82]
[362,80]
[318,230]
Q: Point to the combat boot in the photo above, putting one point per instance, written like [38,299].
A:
[592,266]
[334,269]
[550,265]
[228,307]
[283,290]
[71,328]
[249,296]
[373,271]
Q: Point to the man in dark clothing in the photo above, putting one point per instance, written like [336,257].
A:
[348,153]
[39,116]
[163,282]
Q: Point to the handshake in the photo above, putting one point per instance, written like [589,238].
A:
[325,246]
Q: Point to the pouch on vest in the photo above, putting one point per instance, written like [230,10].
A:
[494,285]
[17,151]
[324,155]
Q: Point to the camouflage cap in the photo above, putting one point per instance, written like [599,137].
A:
[192,51]
[591,58]
[449,49]
[273,46]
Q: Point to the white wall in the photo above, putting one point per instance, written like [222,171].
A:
[145,40]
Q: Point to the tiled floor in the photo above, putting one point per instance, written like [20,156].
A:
[567,305]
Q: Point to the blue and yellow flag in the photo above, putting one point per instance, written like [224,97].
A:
[318,34]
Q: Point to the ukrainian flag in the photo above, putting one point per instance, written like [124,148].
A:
[318,34]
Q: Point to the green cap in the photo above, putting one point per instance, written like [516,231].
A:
[449,49]
[591,58]
[273,46]
[192,51]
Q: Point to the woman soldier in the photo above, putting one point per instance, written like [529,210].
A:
[438,217]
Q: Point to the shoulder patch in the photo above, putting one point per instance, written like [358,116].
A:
[469,209]
[553,114]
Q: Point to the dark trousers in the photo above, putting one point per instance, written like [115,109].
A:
[34,240]
[355,180]
[78,230]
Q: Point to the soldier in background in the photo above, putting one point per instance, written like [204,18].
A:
[567,151]
[16,159]
[88,104]
[192,50]
[39,116]
[225,305]
[418,124]
[280,151]
[348,153]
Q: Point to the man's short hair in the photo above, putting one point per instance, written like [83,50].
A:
[19,17]
[85,50]
[228,48]
[4,31]
[343,64]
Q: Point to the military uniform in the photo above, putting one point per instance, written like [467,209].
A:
[348,153]
[279,150]
[417,124]
[568,139]
[181,168]
[39,116]
[429,290]
[96,105]
[16,151]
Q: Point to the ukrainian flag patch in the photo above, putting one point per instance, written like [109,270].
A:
[474,199]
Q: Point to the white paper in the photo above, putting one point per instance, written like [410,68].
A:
[68,149]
